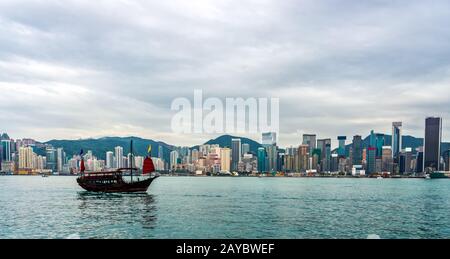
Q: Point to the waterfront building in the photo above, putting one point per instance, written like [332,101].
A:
[341,148]
[26,158]
[405,161]
[386,159]
[334,167]
[160,152]
[195,155]
[51,158]
[236,153]
[109,160]
[380,139]
[245,148]
[310,140]
[173,160]
[432,144]
[357,150]
[261,160]
[371,159]
[272,157]
[60,159]
[396,143]
[119,157]
[6,150]
[225,159]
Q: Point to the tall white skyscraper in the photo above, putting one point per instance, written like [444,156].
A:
[109,160]
[245,148]
[119,157]
[26,158]
[173,159]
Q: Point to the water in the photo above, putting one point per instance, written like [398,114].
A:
[227,207]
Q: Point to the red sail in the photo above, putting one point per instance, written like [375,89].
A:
[148,166]
[82,168]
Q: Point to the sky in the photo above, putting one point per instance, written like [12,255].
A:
[80,69]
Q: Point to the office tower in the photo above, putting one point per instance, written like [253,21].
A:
[334,165]
[26,158]
[327,159]
[405,160]
[160,152]
[310,140]
[432,144]
[51,158]
[261,160]
[272,156]
[386,159]
[396,142]
[236,153]
[357,150]
[419,161]
[315,158]
[173,159]
[303,159]
[341,149]
[60,159]
[119,157]
[372,139]
[225,159]
[379,144]
[6,150]
[371,160]
[269,139]
[322,144]
[245,148]
[109,160]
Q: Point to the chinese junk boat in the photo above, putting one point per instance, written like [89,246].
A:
[113,181]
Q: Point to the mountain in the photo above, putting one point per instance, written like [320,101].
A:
[100,146]
[225,141]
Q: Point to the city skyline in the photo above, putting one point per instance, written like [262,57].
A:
[338,69]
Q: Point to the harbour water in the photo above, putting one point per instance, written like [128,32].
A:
[227,207]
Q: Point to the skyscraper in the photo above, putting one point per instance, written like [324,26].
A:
[432,143]
[109,160]
[272,157]
[269,139]
[379,144]
[396,143]
[26,158]
[60,159]
[173,159]
[6,150]
[51,158]
[371,160]
[386,159]
[119,156]
[245,148]
[341,149]
[261,159]
[236,153]
[310,140]
[357,150]
[225,156]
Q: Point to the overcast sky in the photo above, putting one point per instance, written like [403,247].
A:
[78,69]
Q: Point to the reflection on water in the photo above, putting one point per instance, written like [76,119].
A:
[118,208]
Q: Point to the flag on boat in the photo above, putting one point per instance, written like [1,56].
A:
[82,168]
[149,150]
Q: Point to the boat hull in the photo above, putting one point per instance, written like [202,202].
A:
[118,185]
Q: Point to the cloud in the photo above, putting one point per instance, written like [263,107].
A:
[81,68]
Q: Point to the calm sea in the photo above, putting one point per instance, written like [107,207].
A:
[227,207]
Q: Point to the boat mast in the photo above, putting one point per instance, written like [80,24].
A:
[131,158]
